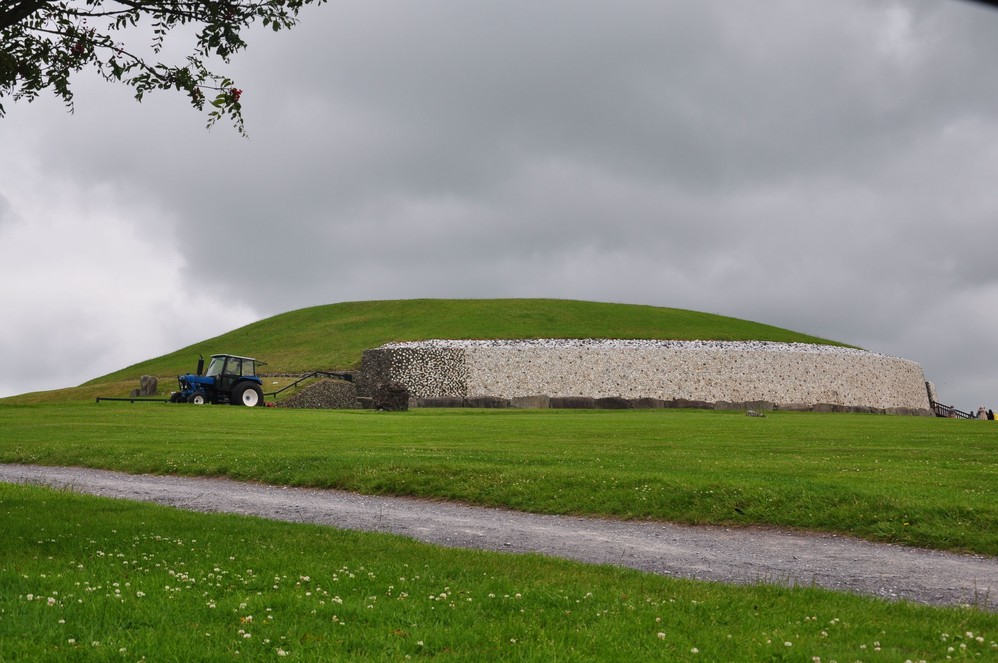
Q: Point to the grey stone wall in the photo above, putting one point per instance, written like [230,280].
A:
[785,374]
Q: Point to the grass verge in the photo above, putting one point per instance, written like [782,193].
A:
[917,481]
[83,578]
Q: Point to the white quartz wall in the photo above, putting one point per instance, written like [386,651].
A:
[711,371]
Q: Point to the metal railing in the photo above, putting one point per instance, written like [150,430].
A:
[950,412]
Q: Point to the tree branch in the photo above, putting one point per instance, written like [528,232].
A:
[20,11]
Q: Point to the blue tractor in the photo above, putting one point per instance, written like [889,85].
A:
[229,379]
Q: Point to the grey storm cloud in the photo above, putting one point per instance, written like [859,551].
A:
[819,165]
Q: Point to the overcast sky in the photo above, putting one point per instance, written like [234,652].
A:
[826,166]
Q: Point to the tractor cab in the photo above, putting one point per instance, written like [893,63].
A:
[229,379]
[227,367]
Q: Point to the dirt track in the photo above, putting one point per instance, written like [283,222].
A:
[719,554]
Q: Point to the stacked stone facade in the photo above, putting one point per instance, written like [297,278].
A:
[791,375]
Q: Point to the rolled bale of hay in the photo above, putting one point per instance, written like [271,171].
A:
[391,397]
[325,394]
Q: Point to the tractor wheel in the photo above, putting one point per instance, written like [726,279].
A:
[176,397]
[247,394]
[197,399]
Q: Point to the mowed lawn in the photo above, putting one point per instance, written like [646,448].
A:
[89,579]
[917,481]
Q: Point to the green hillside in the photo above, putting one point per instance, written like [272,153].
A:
[334,336]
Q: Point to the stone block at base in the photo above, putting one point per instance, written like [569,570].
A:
[573,403]
[530,402]
[486,402]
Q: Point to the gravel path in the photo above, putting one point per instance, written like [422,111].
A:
[742,555]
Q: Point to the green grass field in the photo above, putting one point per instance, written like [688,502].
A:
[914,480]
[88,579]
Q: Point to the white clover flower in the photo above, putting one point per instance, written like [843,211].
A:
[694,651]
[661,636]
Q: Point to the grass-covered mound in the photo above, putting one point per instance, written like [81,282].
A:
[334,336]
